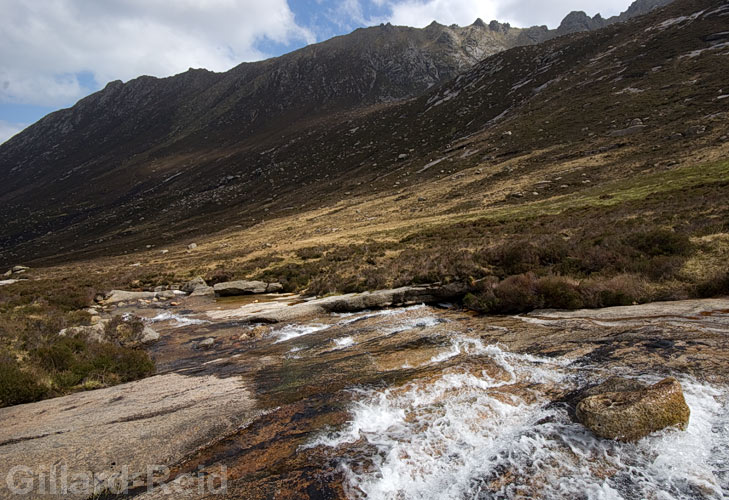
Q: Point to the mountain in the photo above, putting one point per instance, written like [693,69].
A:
[577,21]
[156,160]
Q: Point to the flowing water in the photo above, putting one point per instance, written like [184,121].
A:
[424,403]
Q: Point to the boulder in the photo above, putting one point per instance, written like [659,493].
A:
[625,410]
[149,335]
[194,283]
[95,332]
[203,291]
[632,130]
[206,344]
[282,311]
[117,296]
[233,288]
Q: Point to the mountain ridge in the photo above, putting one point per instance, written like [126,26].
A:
[198,166]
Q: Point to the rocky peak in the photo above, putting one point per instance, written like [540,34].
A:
[577,21]
[641,7]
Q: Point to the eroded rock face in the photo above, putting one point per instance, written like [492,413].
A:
[233,288]
[624,410]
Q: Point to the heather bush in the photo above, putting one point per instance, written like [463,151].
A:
[621,290]
[556,292]
[219,275]
[660,242]
[17,386]
[515,258]
[715,286]
[36,363]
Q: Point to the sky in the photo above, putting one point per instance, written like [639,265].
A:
[55,52]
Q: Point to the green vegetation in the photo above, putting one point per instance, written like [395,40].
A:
[614,244]
[36,363]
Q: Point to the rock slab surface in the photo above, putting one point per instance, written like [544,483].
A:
[233,288]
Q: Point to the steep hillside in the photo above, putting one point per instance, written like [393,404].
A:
[151,177]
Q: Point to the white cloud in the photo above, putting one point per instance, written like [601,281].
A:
[462,12]
[522,13]
[526,13]
[7,130]
[45,43]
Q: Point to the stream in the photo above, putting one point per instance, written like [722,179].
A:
[433,403]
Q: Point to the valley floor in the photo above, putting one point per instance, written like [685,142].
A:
[415,402]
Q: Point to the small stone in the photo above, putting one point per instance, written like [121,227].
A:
[206,344]
[695,130]
[174,304]
[192,246]
[164,252]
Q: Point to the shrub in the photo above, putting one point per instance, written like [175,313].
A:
[70,362]
[556,292]
[218,276]
[601,257]
[660,242]
[294,277]
[714,287]
[124,330]
[515,258]
[621,290]
[517,294]
[17,386]
[310,253]
[663,267]
[553,251]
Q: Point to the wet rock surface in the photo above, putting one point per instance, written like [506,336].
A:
[400,403]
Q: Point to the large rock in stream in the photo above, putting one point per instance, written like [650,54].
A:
[279,312]
[626,410]
[233,288]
